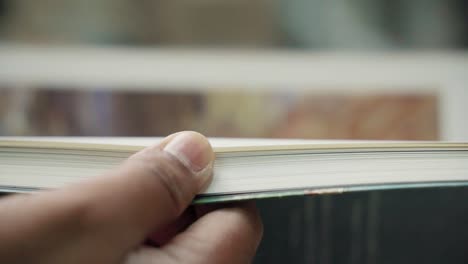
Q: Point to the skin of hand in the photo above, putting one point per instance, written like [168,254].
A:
[107,219]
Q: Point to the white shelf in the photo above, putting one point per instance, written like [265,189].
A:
[182,70]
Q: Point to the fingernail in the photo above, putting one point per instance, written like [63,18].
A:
[193,150]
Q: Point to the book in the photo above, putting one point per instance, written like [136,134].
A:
[247,168]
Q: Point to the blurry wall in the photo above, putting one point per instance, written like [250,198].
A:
[363,24]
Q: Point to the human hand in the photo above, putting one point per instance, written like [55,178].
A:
[108,218]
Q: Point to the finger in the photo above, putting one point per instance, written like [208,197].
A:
[148,191]
[190,215]
[164,235]
[154,186]
[228,235]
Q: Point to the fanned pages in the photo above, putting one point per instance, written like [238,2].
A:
[247,169]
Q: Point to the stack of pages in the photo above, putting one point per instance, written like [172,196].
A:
[247,168]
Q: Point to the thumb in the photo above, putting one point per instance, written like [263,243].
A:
[114,212]
[152,188]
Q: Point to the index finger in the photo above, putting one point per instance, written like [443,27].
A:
[225,235]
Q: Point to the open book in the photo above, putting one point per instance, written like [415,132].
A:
[247,169]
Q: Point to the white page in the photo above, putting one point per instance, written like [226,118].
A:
[215,142]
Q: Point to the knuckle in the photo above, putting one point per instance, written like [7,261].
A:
[171,177]
[82,214]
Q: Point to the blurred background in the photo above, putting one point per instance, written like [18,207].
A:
[311,69]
